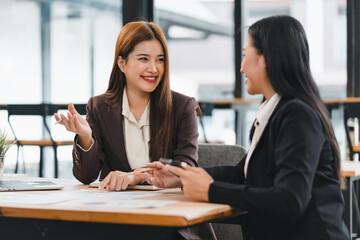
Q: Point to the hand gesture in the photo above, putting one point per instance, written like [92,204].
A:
[75,123]
[195,181]
[160,176]
[117,181]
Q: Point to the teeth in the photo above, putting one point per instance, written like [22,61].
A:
[150,78]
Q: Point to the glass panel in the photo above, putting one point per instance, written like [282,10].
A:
[20,58]
[82,43]
[325,24]
[201,50]
[201,46]
[83,37]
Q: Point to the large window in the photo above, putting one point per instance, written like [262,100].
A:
[78,39]
[201,46]
[324,22]
[200,36]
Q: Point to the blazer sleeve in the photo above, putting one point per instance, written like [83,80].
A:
[186,145]
[230,174]
[298,139]
[87,164]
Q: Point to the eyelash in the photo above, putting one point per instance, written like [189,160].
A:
[145,59]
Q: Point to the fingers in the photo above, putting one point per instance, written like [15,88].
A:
[105,181]
[117,181]
[72,109]
[157,165]
[149,178]
[57,118]
[176,170]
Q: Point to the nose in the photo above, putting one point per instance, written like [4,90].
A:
[241,70]
[152,67]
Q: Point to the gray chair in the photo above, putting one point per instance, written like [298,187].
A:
[211,155]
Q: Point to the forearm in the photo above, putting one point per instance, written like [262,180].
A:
[86,164]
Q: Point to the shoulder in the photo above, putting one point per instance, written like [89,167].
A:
[183,104]
[178,97]
[296,110]
[99,103]
[183,101]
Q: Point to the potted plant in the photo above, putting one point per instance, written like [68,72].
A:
[5,144]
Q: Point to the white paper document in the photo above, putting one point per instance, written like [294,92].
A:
[86,198]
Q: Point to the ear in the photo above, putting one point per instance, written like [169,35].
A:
[121,63]
[262,60]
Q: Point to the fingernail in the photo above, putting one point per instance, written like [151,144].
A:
[183,164]
[152,179]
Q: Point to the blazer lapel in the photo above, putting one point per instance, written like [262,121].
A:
[113,119]
[281,103]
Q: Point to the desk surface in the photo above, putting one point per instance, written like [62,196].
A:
[183,213]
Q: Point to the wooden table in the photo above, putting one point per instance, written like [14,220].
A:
[97,222]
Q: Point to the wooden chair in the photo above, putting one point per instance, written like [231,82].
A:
[43,110]
[351,111]
[211,155]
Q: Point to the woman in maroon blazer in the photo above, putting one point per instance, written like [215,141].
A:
[289,182]
[138,120]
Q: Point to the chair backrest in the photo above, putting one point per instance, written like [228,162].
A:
[211,155]
[40,110]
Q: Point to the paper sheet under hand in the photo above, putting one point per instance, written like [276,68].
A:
[85,198]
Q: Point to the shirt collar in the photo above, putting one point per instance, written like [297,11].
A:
[265,110]
[126,112]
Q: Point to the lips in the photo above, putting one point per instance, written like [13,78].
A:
[150,79]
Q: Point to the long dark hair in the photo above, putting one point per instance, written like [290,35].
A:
[161,111]
[282,41]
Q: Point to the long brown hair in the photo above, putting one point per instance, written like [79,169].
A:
[161,112]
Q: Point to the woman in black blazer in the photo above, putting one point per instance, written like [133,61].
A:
[289,182]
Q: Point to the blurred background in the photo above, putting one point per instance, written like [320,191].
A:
[61,51]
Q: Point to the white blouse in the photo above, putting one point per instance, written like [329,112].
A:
[263,114]
[136,135]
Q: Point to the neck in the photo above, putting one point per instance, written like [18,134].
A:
[268,92]
[137,101]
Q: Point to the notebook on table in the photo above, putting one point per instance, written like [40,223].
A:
[28,185]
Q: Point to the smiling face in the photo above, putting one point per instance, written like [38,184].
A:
[144,67]
[254,67]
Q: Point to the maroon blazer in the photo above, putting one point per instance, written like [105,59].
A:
[108,152]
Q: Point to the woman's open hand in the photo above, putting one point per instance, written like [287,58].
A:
[75,123]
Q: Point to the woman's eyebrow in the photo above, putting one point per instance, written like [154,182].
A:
[147,55]
[142,54]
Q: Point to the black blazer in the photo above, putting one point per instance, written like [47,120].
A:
[108,152]
[290,191]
